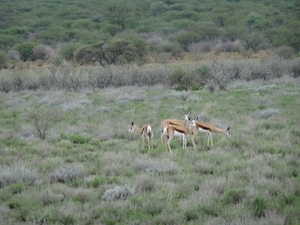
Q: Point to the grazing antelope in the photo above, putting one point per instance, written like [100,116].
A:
[146,131]
[177,122]
[180,131]
[209,128]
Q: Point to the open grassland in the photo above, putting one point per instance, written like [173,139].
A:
[67,157]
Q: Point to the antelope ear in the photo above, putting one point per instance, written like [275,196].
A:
[228,128]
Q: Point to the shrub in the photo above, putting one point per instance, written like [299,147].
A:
[118,193]
[78,139]
[42,52]
[67,173]
[203,46]
[180,79]
[57,61]
[234,46]
[144,183]
[68,50]
[13,55]
[202,75]
[285,52]
[159,167]
[16,174]
[39,62]
[70,106]
[164,57]
[24,208]
[42,119]
[26,50]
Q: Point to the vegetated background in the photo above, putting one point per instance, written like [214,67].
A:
[120,32]
[75,74]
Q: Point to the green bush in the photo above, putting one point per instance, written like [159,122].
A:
[26,50]
[78,139]
[68,50]
[57,61]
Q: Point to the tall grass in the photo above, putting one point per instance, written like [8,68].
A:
[90,170]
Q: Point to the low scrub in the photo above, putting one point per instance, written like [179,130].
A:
[118,193]
[18,173]
[66,173]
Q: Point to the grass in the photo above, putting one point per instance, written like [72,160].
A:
[91,170]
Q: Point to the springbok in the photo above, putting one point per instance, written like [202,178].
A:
[146,131]
[209,129]
[177,122]
[180,131]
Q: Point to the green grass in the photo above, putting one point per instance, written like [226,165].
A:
[251,178]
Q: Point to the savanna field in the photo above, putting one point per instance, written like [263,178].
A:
[66,156]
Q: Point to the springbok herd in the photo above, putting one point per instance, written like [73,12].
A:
[179,128]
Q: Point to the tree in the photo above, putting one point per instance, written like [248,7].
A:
[112,29]
[117,12]
[186,39]
[118,50]
[157,8]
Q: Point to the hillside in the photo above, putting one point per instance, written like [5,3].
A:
[119,32]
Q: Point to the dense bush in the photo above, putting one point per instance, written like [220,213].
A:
[26,50]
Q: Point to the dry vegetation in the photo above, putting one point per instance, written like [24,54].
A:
[87,169]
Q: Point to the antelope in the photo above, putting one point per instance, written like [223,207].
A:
[146,131]
[177,122]
[180,131]
[209,128]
